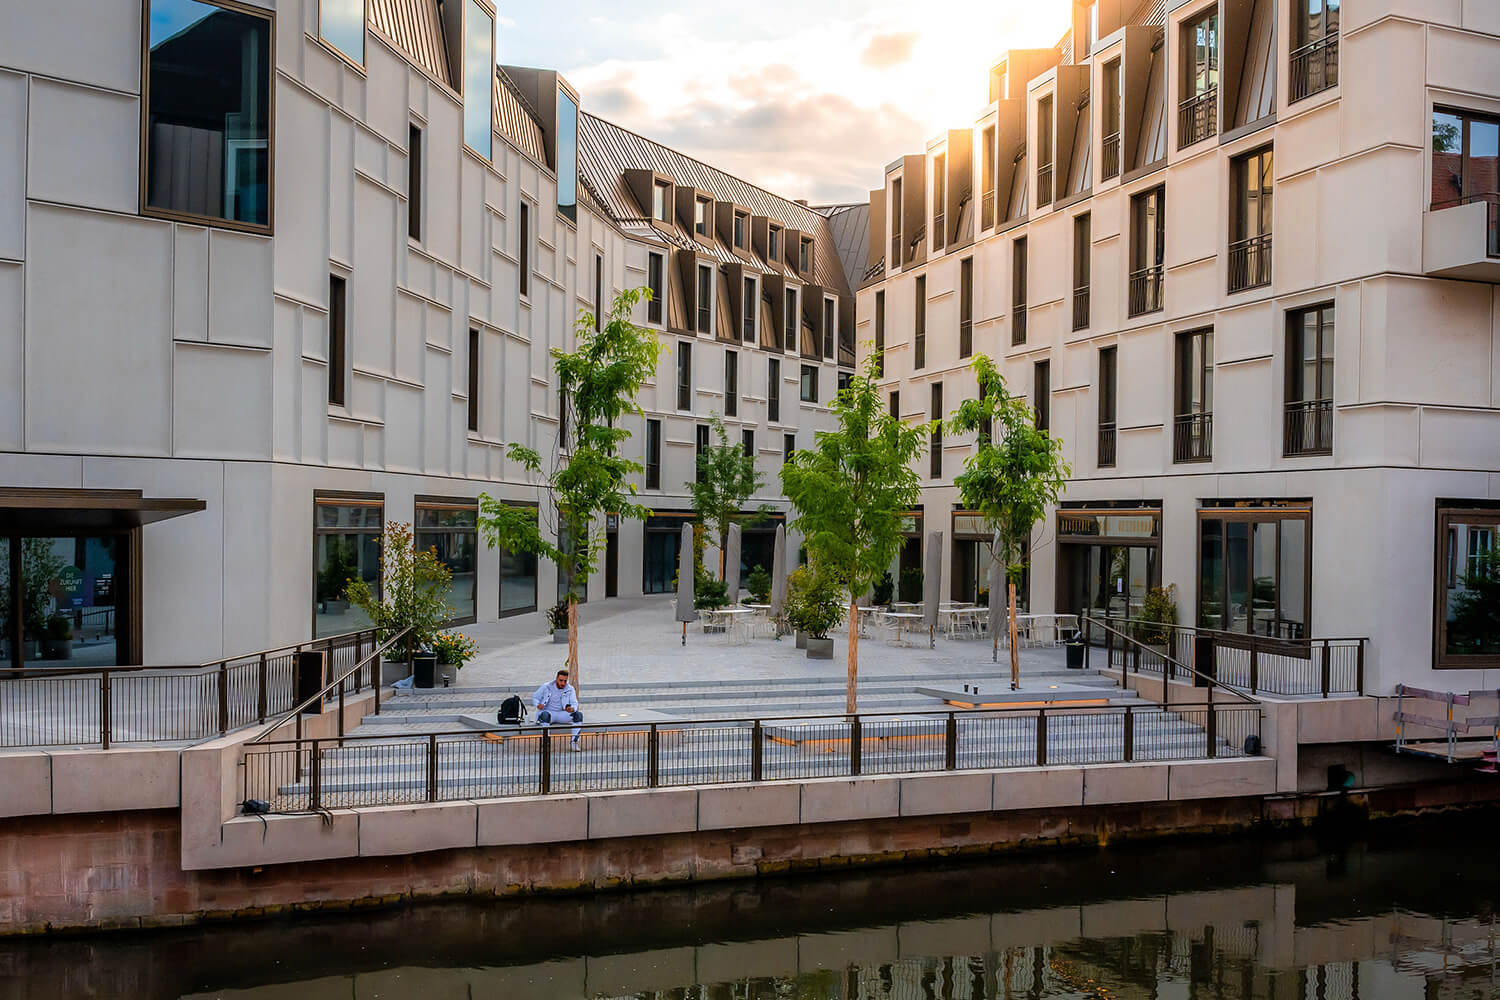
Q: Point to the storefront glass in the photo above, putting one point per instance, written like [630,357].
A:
[346,547]
[452,530]
[1254,570]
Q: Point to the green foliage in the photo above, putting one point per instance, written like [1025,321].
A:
[709,593]
[599,381]
[454,648]
[759,585]
[557,616]
[414,594]
[40,565]
[884,589]
[59,626]
[1159,609]
[726,479]
[1474,625]
[341,565]
[814,601]
[852,488]
[911,585]
[1445,137]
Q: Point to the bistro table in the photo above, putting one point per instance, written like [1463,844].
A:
[736,630]
[901,620]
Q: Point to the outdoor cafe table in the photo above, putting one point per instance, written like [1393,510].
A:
[902,619]
[866,614]
[735,629]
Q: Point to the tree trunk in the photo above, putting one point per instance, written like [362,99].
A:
[723,556]
[573,643]
[1015,653]
[850,705]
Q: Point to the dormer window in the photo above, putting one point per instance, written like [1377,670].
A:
[773,244]
[661,196]
[805,257]
[700,221]
[739,230]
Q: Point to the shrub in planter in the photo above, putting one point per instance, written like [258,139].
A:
[759,585]
[57,641]
[819,605]
[557,621]
[709,594]
[454,648]
[414,597]
[1157,612]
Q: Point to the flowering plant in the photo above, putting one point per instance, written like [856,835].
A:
[455,648]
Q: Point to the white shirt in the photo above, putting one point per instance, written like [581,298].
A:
[552,698]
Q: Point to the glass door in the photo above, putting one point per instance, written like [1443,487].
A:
[69,613]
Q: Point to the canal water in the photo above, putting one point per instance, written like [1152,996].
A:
[1407,912]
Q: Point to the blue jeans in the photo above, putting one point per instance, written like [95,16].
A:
[545,719]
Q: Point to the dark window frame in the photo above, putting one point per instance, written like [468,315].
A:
[939,201]
[808,386]
[536,584]
[1041,394]
[1308,414]
[1018,291]
[1109,398]
[1083,268]
[773,390]
[701,444]
[1147,278]
[474,348]
[1264,514]
[684,375]
[655,271]
[731,384]
[966,307]
[1252,187]
[430,503]
[830,326]
[919,324]
[653,454]
[598,292]
[525,249]
[337,499]
[880,334]
[1193,406]
[414,183]
[1472,514]
[747,438]
[751,297]
[704,306]
[338,340]
[935,447]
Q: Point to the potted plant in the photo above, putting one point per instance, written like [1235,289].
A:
[759,585]
[1158,614]
[885,590]
[710,594]
[413,601]
[57,643]
[797,584]
[821,609]
[557,621]
[453,650]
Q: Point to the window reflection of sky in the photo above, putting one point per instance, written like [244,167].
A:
[172,17]
[567,150]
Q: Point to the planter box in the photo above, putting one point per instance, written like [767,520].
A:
[57,649]
[801,639]
[447,674]
[819,649]
[392,671]
[559,636]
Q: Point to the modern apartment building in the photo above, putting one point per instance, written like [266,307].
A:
[1243,257]
[274,273]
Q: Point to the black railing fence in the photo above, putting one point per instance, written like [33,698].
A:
[1308,428]
[1315,67]
[1197,118]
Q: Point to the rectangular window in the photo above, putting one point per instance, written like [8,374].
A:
[598,292]
[1083,253]
[773,244]
[1111,123]
[684,375]
[919,324]
[830,327]
[788,447]
[700,222]
[661,197]
[1468,585]
[895,404]
[1018,293]
[341,24]
[700,450]
[809,384]
[208,113]
[451,529]
[414,183]
[658,292]
[1255,570]
[748,438]
[1108,389]
[1308,423]
[805,257]
[1041,394]
[1044,151]
[517,581]
[966,307]
[739,231]
[935,448]
[562,419]
[653,454]
[479,79]
[939,200]
[1250,180]
[474,380]
[346,547]
[987,178]
[1465,160]
[567,155]
[773,390]
[894,213]
[1315,47]
[705,298]
[845,380]
[1148,251]
[1198,113]
[748,331]
[793,328]
[525,250]
[731,384]
[338,343]
[1194,425]
[880,334]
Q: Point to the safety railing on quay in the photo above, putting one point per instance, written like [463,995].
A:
[105,706]
[302,775]
[348,682]
[1289,666]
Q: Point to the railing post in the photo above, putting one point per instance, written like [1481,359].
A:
[262,697]
[432,767]
[1254,666]
[1359,667]
[757,753]
[1041,737]
[856,745]
[1088,636]
[544,769]
[950,743]
[1137,657]
[104,709]
[1129,734]
[315,779]
[1327,669]
[342,685]
[653,758]
[223,698]
[1211,728]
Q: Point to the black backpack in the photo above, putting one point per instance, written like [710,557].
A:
[512,711]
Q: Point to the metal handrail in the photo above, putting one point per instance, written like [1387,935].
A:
[1111,155]
[1179,666]
[1250,262]
[1198,118]
[296,711]
[296,647]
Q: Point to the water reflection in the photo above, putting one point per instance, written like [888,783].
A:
[1284,921]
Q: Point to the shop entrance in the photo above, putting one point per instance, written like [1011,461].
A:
[1107,561]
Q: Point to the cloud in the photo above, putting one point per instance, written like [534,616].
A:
[890,50]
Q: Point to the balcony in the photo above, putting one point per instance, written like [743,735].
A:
[1250,263]
[987,210]
[1307,428]
[938,231]
[1193,437]
[1018,324]
[1197,118]
[1315,68]
[1146,290]
[1081,307]
[1044,184]
[1461,238]
[1107,446]
[1111,155]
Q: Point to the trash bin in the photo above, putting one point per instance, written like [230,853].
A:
[424,670]
[1075,653]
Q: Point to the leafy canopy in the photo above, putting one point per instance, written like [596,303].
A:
[413,594]
[852,487]
[726,479]
[600,381]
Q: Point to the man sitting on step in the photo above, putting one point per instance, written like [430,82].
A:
[557,703]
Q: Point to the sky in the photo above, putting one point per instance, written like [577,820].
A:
[808,99]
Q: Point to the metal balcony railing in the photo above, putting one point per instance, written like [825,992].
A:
[894,260]
[1081,307]
[1197,118]
[987,210]
[1146,290]
[1018,324]
[1111,155]
[1315,68]
[965,338]
[1044,184]
[1250,263]
[1307,428]
[938,232]
[1107,445]
[1193,437]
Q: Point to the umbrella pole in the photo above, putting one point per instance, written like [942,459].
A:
[684,633]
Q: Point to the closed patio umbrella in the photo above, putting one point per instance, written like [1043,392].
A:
[932,581]
[997,599]
[778,573]
[685,610]
[732,565]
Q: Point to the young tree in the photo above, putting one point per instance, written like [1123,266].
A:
[588,477]
[1015,474]
[850,491]
[726,479]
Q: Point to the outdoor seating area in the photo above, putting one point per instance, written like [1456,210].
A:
[898,624]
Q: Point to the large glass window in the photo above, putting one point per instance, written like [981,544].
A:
[479,78]
[919,324]
[1251,186]
[773,390]
[653,454]
[1194,377]
[567,155]
[1148,250]
[1315,47]
[346,547]
[809,384]
[517,582]
[1468,585]
[1255,570]
[208,112]
[341,23]
[1197,115]
[1308,424]
[1466,165]
[451,529]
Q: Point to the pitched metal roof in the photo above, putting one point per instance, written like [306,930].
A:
[414,27]
[850,225]
[517,120]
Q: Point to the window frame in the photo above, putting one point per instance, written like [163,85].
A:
[704,289]
[685,376]
[475,338]
[830,327]
[364,28]
[653,444]
[338,360]
[415,170]
[345,499]
[1083,268]
[809,378]
[656,269]
[661,202]
[1041,394]
[747,439]
[450,503]
[1271,513]
[146,210]
[731,383]
[966,307]
[939,201]
[773,390]
[524,223]
[773,244]
[483,5]
[500,611]
[1448,563]
[701,443]
[935,447]
[751,302]
[1109,402]
[1019,266]
[792,334]
[919,324]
